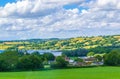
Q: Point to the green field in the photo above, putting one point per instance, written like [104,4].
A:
[77,73]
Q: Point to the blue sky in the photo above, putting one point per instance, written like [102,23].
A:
[27,19]
[3,2]
[73,6]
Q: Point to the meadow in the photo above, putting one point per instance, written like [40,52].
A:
[76,73]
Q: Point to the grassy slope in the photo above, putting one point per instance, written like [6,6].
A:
[72,43]
[79,73]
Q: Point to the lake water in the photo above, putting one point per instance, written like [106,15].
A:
[54,52]
[1,51]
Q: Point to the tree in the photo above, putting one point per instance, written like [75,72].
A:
[60,63]
[79,60]
[99,57]
[49,56]
[30,62]
[35,53]
[3,65]
[112,58]
[90,54]
[76,52]
[9,59]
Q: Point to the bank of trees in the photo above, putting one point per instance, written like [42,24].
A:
[30,62]
[75,53]
[13,60]
[83,52]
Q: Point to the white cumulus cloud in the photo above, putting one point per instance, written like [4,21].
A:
[48,18]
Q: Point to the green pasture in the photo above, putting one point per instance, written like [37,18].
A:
[76,73]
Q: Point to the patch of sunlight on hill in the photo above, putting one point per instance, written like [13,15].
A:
[117,37]
[15,43]
[77,39]
[96,39]
[2,47]
[108,45]
[86,43]
[88,47]
[21,47]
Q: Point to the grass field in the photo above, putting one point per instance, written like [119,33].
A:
[77,73]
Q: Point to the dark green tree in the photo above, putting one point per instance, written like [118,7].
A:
[99,58]
[9,59]
[90,54]
[31,62]
[60,63]
[112,58]
[48,56]
[3,65]
[79,60]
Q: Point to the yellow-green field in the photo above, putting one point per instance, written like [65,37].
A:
[64,44]
[77,73]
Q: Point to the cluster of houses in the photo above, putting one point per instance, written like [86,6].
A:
[86,61]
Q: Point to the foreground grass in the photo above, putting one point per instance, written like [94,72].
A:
[77,73]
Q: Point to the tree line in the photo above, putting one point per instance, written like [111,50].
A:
[83,52]
[12,60]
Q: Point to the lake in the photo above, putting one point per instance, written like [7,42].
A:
[1,51]
[54,52]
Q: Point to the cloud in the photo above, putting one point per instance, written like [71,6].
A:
[45,19]
[35,8]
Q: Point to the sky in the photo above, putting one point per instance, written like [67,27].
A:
[29,19]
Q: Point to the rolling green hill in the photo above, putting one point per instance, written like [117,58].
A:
[63,44]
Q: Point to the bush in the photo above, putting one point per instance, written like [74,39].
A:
[8,60]
[31,62]
[60,63]
[3,65]
[48,56]
[112,58]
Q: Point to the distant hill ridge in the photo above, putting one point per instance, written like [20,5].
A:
[63,44]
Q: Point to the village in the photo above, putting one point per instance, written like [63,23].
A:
[90,60]
[84,61]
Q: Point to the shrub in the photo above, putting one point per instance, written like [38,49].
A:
[8,60]
[112,58]
[60,63]
[31,62]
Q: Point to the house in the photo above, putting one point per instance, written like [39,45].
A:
[87,61]
[70,61]
[90,59]
[67,58]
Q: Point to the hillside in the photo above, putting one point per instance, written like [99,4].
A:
[63,44]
